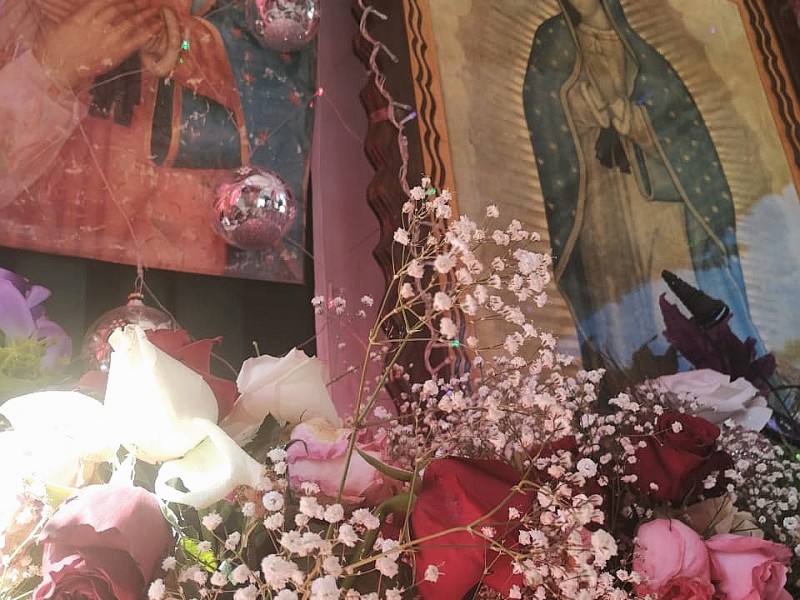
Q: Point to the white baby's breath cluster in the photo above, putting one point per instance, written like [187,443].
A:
[517,395]
[21,523]
[441,271]
[765,483]
[275,544]
[517,404]
[560,550]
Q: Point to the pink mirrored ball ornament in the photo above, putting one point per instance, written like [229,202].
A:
[283,25]
[254,210]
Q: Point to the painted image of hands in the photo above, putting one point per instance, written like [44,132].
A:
[81,42]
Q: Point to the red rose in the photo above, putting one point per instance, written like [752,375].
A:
[682,588]
[677,458]
[456,492]
[104,543]
[694,434]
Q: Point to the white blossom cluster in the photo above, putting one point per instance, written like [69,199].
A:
[517,394]
[765,483]
[517,405]
[279,546]
[21,523]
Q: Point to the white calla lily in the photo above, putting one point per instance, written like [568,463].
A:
[208,472]
[153,399]
[290,388]
[164,412]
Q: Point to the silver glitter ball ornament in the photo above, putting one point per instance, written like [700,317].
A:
[254,210]
[283,25]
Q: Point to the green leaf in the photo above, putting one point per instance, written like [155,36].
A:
[206,558]
[56,494]
[22,358]
[400,503]
[388,470]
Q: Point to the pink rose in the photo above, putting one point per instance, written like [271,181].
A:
[673,561]
[747,568]
[682,588]
[319,455]
[103,543]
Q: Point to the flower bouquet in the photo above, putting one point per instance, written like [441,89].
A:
[510,480]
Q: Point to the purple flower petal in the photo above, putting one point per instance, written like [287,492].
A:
[35,296]
[716,347]
[18,281]
[16,321]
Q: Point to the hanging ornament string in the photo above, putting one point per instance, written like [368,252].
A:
[379,78]
[436,356]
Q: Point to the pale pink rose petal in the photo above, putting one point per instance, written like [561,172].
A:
[667,548]
[318,454]
[748,568]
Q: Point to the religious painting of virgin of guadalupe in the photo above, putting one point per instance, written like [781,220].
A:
[644,190]
[636,137]
[123,118]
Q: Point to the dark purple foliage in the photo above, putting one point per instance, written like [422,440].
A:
[717,347]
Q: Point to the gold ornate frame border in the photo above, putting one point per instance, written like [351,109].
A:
[782,92]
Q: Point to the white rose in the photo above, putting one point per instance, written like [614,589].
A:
[720,398]
[292,389]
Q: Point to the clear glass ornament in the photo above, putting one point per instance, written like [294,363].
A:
[95,349]
[283,25]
